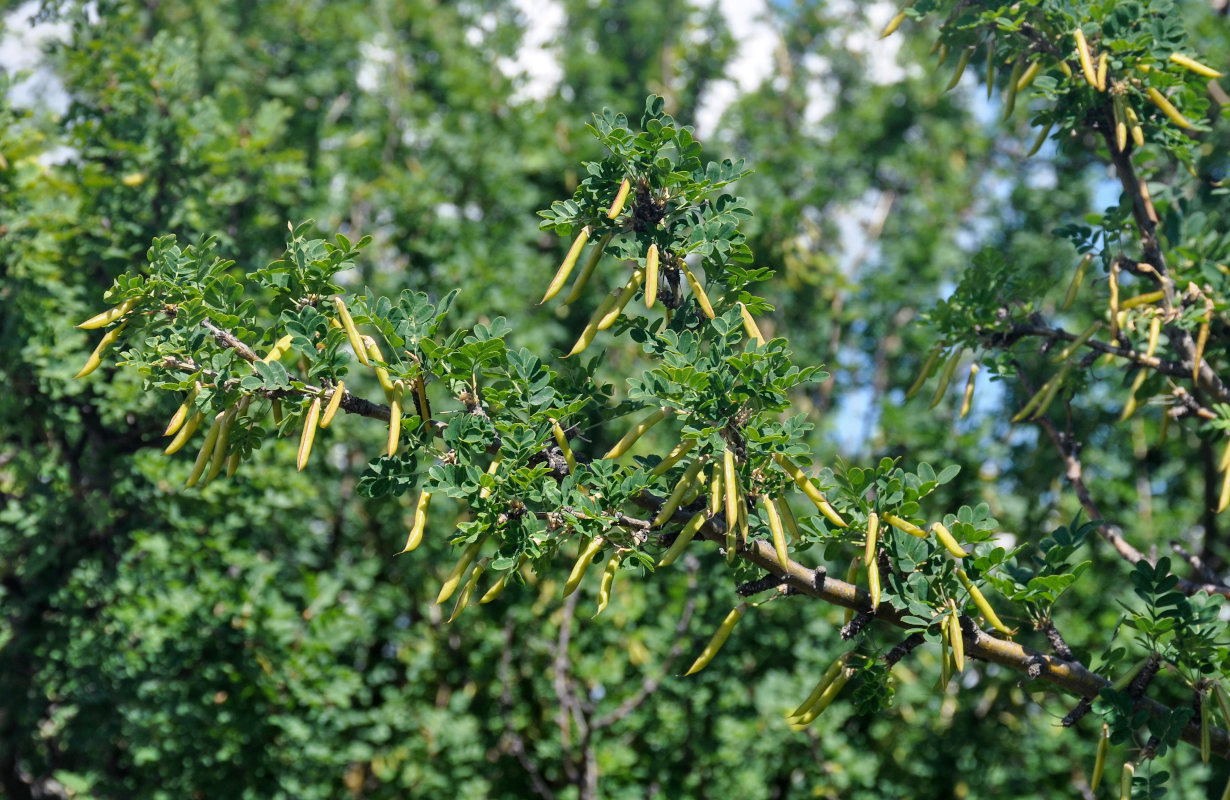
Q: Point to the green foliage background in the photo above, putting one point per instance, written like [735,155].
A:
[258,637]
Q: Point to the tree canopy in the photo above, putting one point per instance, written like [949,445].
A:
[556,448]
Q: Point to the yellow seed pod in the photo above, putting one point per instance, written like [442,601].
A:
[792,525]
[715,490]
[926,370]
[382,374]
[591,328]
[1103,65]
[107,317]
[582,279]
[420,522]
[218,459]
[967,400]
[309,433]
[956,637]
[873,537]
[1138,133]
[1041,140]
[621,197]
[467,591]
[459,569]
[638,430]
[1223,500]
[182,413]
[1125,780]
[948,540]
[92,363]
[335,402]
[984,606]
[1155,330]
[749,325]
[730,482]
[1202,339]
[497,588]
[651,276]
[582,564]
[808,488]
[826,699]
[1120,119]
[1195,66]
[1099,763]
[851,577]
[825,681]
[185,433]
[352,331]
[1027,77]
[1082,53]
[676,497]
[719,639]
[1077,280]
[275,405]
[698,292]
[565,269]
[873,584]
[777,531]
[280,348]
[561,440]
[1168,108]
[681,541]
[206,452]
[895,22]
[399,391]
[621,300]
[1130,407]
[905,526]
[673,457]
[1077,343]
[1018,69]
[608,579]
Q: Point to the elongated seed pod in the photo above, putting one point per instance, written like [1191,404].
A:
[1125,780]
[638,430]
[698,292]
[873,537]
[1195,66]
[1155,330]
[376,358]
[582,564]
[1141,300]
[851,578]
[1065,69]
[741,513]
[813,494]
[945,655]
[1138,133]
[420,522]
[1202,339]
[962,61]
[561,440]
[825,681]
[608,579]
[749,325]
[565,269]
[352,331]
[1099,762]
[927,368]
[420,399]
[1112,285]
[956,636]
[1120,119]
[453,580]
[673,457]
[185,433]
[1041,140]
[715,490]
[990,68]
[777,531]
[95,358]
[950,367]
[719,639]
[107,317]
[967,400]
[467,591]
[182,413]
[206,452]
[1224,463]
[1018,69]
[591,328]
[335,402]
[621,300]
[395,411]
[1077,343]
[218,459]
[1082,53]
[1077,279]
[651,276]
[582,279]
[1103,64]
[731,486]
[984,606]
[905,526]
[1027,77]
[946,538]
[681,541]
[792,525]
[1168,108]
[826,699]
[1206,722]
[309,433]
[1224,499]
[497,588]
[873,584]
[1130,407]
[1223,701]
[621,197]
[676,497]
[280,348]
[275,406]
[895,22]
[1052,390]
